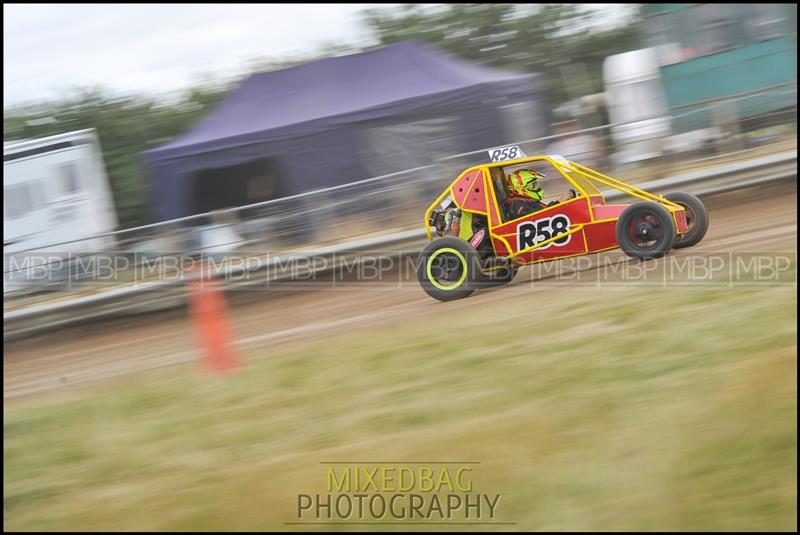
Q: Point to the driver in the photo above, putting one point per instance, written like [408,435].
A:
[525,195]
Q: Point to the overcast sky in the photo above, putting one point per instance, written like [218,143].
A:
[50,48]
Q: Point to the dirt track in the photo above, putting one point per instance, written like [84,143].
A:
[743,221]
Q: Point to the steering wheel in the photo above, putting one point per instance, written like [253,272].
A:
[573,192]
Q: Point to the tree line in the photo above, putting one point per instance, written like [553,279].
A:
[557,40]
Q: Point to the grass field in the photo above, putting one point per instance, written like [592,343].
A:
[588,410]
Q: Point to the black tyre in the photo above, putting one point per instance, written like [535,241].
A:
[449,269]
[498,277]
[696,217]
[645,230]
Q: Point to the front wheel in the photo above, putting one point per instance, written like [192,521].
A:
[696,218]
[645,230]
[448,269]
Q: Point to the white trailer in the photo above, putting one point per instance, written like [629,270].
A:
[637,104]
[55,190]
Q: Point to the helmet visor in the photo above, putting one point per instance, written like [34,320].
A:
[532,188]
[530,184]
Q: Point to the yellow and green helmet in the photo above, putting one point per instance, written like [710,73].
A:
[525,182]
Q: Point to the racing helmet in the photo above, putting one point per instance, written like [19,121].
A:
[525,183]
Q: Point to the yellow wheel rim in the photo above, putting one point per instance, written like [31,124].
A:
[433,280]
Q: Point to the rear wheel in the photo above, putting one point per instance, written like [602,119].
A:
[448,269]
[645,230]
[696,219]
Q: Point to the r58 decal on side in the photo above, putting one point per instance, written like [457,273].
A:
[529,233]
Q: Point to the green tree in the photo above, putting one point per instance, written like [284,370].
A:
[126,126]
[543,38]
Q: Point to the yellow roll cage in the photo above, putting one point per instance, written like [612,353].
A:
[582,178]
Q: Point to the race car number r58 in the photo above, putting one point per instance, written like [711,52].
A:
[501,154]
[529,233]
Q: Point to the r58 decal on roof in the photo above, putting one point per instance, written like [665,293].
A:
[512,152]
[529,233]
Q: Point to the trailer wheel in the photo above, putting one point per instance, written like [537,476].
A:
[645,230]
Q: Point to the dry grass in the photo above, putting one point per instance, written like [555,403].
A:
[620,410]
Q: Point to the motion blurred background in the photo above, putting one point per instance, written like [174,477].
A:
[137,132]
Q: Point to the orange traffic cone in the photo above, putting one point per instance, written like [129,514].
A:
[209,313]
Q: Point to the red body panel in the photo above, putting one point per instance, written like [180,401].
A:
[601,235]
[468,192]
[680,221]
[577,211]
[574,246]
[608,211]
[597,200]
[500,248]
[526,231]
[494,211]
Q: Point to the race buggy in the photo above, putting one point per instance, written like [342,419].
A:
[474,244]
